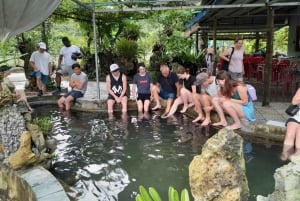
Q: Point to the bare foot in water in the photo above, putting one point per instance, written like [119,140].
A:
[234,126]
[184,109]
[199,118]
[157,107]
[206,122]
[220,123]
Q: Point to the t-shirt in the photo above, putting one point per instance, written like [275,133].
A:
[167,84]
[67,52]
[41,61]
[83,78]
[189,82]
[142,83]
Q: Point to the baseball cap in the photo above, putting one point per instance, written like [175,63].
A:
[200,78]
[114,67]
[42,45]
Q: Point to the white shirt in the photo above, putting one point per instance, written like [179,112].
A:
[67,52]
[41,61]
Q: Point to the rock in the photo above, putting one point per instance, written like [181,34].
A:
[23,156]
[287,183]
[218,174]
[37,136]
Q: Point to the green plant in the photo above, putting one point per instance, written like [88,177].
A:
[4,49]
[45,124]
[127,48]
[153,195]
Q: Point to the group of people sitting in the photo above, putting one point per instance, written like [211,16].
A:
[204,92]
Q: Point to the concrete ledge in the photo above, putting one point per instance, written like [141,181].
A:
[43,184]
[33,184]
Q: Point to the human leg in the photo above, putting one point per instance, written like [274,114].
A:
[297,141]
[146,106]
[140,105]
[289,140]
[198,107]
[207,107]
[235,112]
[217,105]
[110,105]
[155,91]
[178,101]
[44,81]
[68,101]
[168,106]
[61,102]
[124,104]
[186,98]
[58,83]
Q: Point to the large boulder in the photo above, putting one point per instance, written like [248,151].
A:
[23,156]
[218,174]
[287,183]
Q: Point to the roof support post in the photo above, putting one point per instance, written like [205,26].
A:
[215,44]
[96,51]
[268,63]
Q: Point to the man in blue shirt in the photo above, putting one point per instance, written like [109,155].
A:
[167,87]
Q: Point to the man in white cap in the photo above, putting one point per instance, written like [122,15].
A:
[116,84]
[40,61]
[203,100]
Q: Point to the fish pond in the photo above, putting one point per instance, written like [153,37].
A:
[107,158]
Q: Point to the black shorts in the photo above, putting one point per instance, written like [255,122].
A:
[291,120]
[143,97]
[113,98]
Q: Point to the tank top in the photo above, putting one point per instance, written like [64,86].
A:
[116,85]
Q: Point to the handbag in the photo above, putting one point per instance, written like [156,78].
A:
[292,110]
[226,63]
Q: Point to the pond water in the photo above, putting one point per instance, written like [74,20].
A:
[106,158]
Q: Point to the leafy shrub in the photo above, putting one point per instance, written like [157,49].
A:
[45,124]
[127,49]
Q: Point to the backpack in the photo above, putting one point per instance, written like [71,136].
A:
[252,92]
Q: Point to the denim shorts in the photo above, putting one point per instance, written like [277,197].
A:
[167,95]
[74,94]
[43,77]
[235,75]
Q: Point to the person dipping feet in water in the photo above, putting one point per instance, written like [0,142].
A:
[203,100]
[78,83]
[167,87]
[234,100]
[188,88]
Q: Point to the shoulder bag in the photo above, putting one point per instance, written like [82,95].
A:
[226,63]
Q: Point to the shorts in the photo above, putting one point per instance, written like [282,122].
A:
[74,94]
[43,77]
[248,111]
[235,75]
[167,95]
[291,120]
[143,97]
[113,98]
[65,70]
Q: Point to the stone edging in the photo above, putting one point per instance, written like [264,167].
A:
[33,184]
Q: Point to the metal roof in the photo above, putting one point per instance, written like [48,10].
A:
[243,16]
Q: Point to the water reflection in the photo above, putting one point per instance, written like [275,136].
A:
[106,157]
